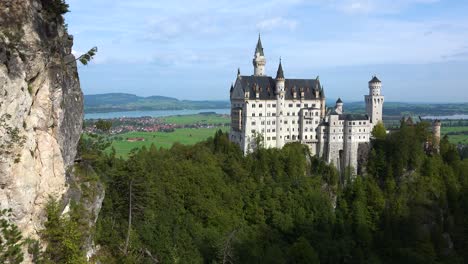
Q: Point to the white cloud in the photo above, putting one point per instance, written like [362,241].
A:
[375,6]
[77,53]
[276,23]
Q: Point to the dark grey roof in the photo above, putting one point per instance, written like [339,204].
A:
[339,101]
[259,48]
[279,73]
[374,80]
[353,117]
[266,86]
[322,92]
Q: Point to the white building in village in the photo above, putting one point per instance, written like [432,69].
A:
[280,110]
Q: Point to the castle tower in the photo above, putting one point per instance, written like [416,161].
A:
[259,60]
[323,107]
[339,106]
[374,101]
[436,135]
[279,105]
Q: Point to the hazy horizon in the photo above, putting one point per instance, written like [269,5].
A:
[327,99]
[418,48]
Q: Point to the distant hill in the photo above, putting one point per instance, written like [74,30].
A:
[397,109]
[115,102]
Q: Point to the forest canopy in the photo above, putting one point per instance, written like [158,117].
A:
[208,203]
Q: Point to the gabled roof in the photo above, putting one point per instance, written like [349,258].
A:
[266,87]
[339,101]
[374,80]
[259,48]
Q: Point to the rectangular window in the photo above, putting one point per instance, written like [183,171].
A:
[285,121]
[268,138]
[260,105]
[263,122]
[273,105]
[273,114]
[268,105]
[274,138]
[253,114]
[253,105]
[253,123]
[298,105]
[260,114]
[290,105]
[306,105]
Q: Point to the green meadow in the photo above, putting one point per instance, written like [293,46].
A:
[190,136]
[197,119]
[456,139]
[186,136]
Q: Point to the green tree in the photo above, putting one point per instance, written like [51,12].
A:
[10,239]
[63,237]
[379,131]
[103,125]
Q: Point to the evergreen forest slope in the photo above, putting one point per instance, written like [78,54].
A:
[208,203]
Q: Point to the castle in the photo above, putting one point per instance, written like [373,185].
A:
[275,111]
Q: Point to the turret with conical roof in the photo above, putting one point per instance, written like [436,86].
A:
[280,73]
[280,80]
[375,85]
[259,48]
[339,106]
[375,80]
[374,101]
[259,60]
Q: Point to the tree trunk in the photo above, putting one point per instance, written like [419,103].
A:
[129,217]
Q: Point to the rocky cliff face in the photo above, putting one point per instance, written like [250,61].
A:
[41,109]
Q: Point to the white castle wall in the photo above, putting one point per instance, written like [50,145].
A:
[281,121]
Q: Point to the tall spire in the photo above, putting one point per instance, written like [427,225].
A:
[259,48]
[279,73]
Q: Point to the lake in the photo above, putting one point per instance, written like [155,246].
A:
[446,117]
[154,113]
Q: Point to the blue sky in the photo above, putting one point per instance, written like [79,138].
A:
[191,49]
